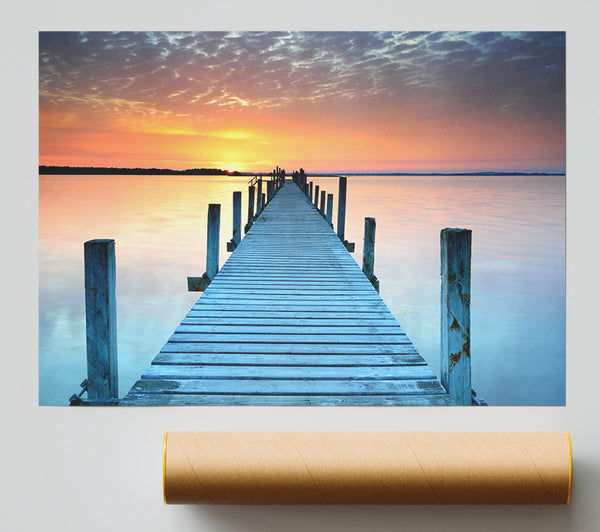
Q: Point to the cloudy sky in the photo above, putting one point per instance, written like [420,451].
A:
[343,101]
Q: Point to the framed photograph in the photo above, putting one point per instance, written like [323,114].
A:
[390,227]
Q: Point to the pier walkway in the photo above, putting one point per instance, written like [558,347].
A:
[289,320]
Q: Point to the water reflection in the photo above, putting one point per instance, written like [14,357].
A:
[159,224]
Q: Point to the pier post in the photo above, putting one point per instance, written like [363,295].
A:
[310,191]
[317,196]
[259,205]
[456,314]
[250,208]
[237,222]
[212,240]
[329,209]
[101,318]
[270,190]
[263,199]
[341,218]
[368,266]
[322,203]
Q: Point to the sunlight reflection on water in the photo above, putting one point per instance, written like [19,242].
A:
[159,224]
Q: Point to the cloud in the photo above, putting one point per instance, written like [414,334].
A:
[170,71]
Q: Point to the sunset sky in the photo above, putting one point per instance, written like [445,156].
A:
[342,101]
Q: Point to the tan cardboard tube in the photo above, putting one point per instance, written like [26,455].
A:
[367,467]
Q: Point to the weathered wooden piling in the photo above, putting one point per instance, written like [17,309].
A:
[212,240]
[310,191]
[263,201]
[317,196]
[259,194]
[341,218]
[251,190]
[368,266]
[322,203]
[456,314]
[101,318]
[329,209]
[270,190]
[237,222]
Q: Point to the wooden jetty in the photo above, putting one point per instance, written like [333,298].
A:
[290,319]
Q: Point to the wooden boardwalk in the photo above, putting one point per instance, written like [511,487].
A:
[289,320]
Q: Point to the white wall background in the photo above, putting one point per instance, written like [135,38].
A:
[77,469]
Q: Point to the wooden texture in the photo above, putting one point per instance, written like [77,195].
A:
[329,217]
[341,218]
[455,314]
[259,195]
[101,318]
[237,218]
[212,240]
[368,266]
[290,319]
[251,190]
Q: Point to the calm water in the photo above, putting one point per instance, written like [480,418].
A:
[159,224]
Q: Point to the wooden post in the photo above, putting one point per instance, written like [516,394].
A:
[329,208]
[263,200]
[237,218]
[368,266]
[456,314]
[101,318]
[259,205]
[317,196]
[341,218]
[212,240]
[250,204]
[322,203]
[310,191]
[270,191]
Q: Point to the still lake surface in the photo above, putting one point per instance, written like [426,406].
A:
[159,225]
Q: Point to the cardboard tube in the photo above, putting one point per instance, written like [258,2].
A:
[367,467]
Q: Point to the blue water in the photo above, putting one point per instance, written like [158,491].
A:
[159,224]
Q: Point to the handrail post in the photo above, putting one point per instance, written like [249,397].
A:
[310,191]
[259,203]
[317,196]
[270,191]
[368,266]
[456,314]
[250,208]
[237,222]
[341,218]
[322,203]
[329,209]
[101,318]
[212,240]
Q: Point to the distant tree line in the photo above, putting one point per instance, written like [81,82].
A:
[101,170]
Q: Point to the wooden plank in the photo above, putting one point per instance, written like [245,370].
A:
[327,360]
[357,330]
[309,349]
[283,338]
[208,312]
[167,399]
[288,387]
[241,323]
[181,372]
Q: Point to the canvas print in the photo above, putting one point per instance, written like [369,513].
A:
[302,218]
